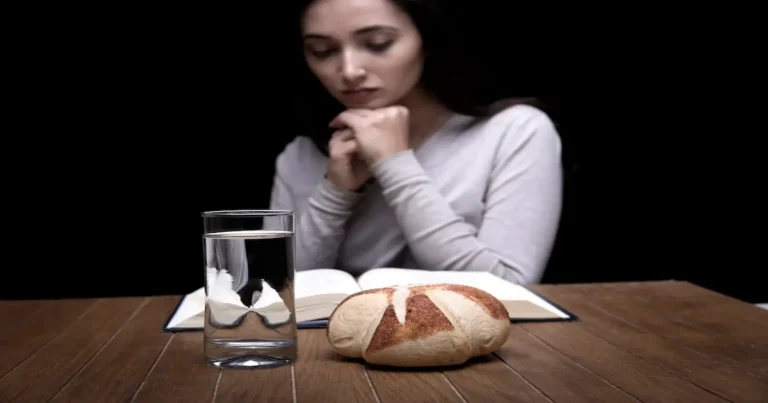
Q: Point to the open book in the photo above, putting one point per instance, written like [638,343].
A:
[318,292]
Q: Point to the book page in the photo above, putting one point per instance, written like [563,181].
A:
[385,277]
[227,307]
[310,283]
[499,288]
[324,281]
[193,304]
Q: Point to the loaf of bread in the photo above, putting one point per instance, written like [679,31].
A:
[418,325]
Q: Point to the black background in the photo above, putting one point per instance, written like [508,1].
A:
[190,117]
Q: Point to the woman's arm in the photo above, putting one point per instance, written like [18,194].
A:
[319,224]
[522,211]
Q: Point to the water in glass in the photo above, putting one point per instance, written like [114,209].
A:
[249,314]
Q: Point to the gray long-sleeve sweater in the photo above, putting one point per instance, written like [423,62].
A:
[479,195]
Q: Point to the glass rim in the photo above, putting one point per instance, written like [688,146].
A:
[245,212]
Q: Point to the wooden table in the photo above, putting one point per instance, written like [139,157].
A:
[651,342]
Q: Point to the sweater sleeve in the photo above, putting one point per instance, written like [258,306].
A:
[521,215]
[319,223]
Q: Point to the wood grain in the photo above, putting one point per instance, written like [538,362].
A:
[118,370]
[15,314]
[423,385]
[488,379]
[270,385]
[181,374]
[35,323]
[665,321]
[62,357]
[633,375]
[720,378]
[649,342]
[709,311]
[558,376]
[322,375]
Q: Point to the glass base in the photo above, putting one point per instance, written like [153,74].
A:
[250,354]
[249,362]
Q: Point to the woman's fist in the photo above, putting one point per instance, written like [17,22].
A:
[346,170]
[379,133]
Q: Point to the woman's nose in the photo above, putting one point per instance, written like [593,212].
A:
[352,71]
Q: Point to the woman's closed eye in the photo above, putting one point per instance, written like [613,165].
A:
[379,46]
[320,52]
[325,51]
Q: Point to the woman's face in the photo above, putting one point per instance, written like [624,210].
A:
[367,53]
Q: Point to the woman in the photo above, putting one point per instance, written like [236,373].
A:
[412,175]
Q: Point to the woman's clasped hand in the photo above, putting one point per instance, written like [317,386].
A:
[363,138]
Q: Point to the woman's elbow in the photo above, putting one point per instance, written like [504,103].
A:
[517,274]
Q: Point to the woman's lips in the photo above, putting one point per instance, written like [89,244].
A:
[360,95]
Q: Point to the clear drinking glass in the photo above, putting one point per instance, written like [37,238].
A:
[249,312]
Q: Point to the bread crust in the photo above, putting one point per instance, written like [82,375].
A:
[418,325]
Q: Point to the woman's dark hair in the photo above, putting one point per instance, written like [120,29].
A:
[450,71]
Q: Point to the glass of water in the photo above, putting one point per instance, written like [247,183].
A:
[249,312]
